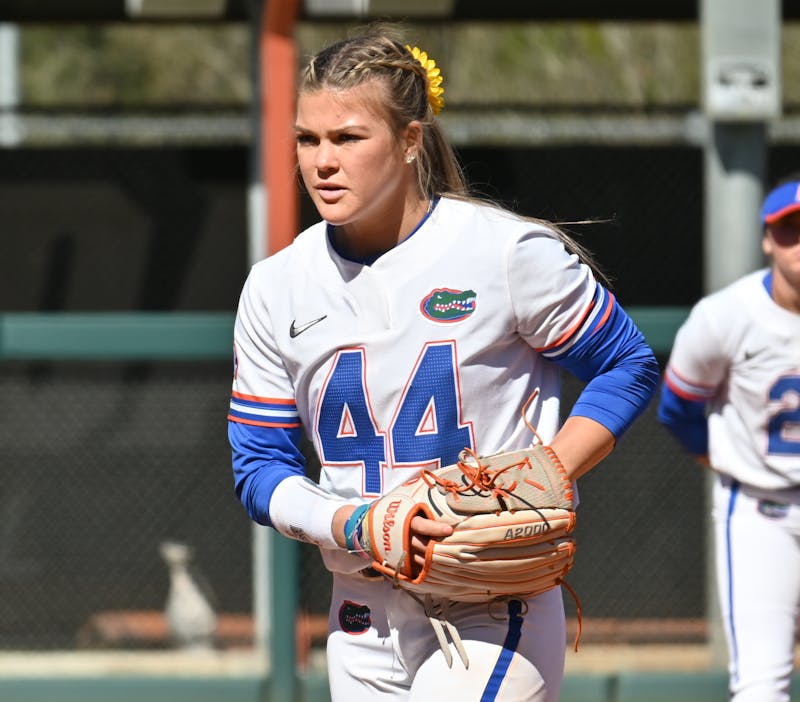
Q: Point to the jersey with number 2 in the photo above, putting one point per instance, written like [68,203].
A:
[740,352]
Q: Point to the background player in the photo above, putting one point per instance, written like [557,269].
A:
[731,395]
[414,321]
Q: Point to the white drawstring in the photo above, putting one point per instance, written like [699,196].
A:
[438,612]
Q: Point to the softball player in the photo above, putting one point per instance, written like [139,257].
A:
[731,395]
[411,322]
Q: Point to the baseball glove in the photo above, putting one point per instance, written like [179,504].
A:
[512,515]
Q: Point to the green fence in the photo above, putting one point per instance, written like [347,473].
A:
[186,335]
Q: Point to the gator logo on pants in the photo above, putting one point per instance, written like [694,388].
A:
[773,510]
[448,305]
[354,618]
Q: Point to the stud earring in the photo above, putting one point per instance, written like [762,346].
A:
[410,158]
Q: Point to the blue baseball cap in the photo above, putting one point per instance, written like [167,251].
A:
[782,201]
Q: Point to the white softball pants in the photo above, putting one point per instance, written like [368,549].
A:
[381,646]
[757,541]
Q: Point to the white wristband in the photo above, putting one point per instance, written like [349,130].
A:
[302,510]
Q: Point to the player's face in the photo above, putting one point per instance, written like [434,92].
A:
[782,243]
[352,162]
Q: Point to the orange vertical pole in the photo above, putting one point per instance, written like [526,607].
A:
[278,65]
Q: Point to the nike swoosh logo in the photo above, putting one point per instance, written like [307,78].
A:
[296,330]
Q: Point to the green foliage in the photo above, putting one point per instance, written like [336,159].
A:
[576,64]
[110,65]
[553,64]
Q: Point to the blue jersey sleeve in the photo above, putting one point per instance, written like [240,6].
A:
[685,419]
[262,458]
[617,364]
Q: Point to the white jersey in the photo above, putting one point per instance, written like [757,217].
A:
[397,366]
[740,352]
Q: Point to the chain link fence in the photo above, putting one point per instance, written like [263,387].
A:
[101,463]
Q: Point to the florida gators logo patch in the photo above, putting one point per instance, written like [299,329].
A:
[447,305]
[773,510]
[354,618]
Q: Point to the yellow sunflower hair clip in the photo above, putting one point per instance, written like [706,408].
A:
[435,89]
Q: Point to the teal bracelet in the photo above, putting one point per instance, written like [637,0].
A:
[352,528]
